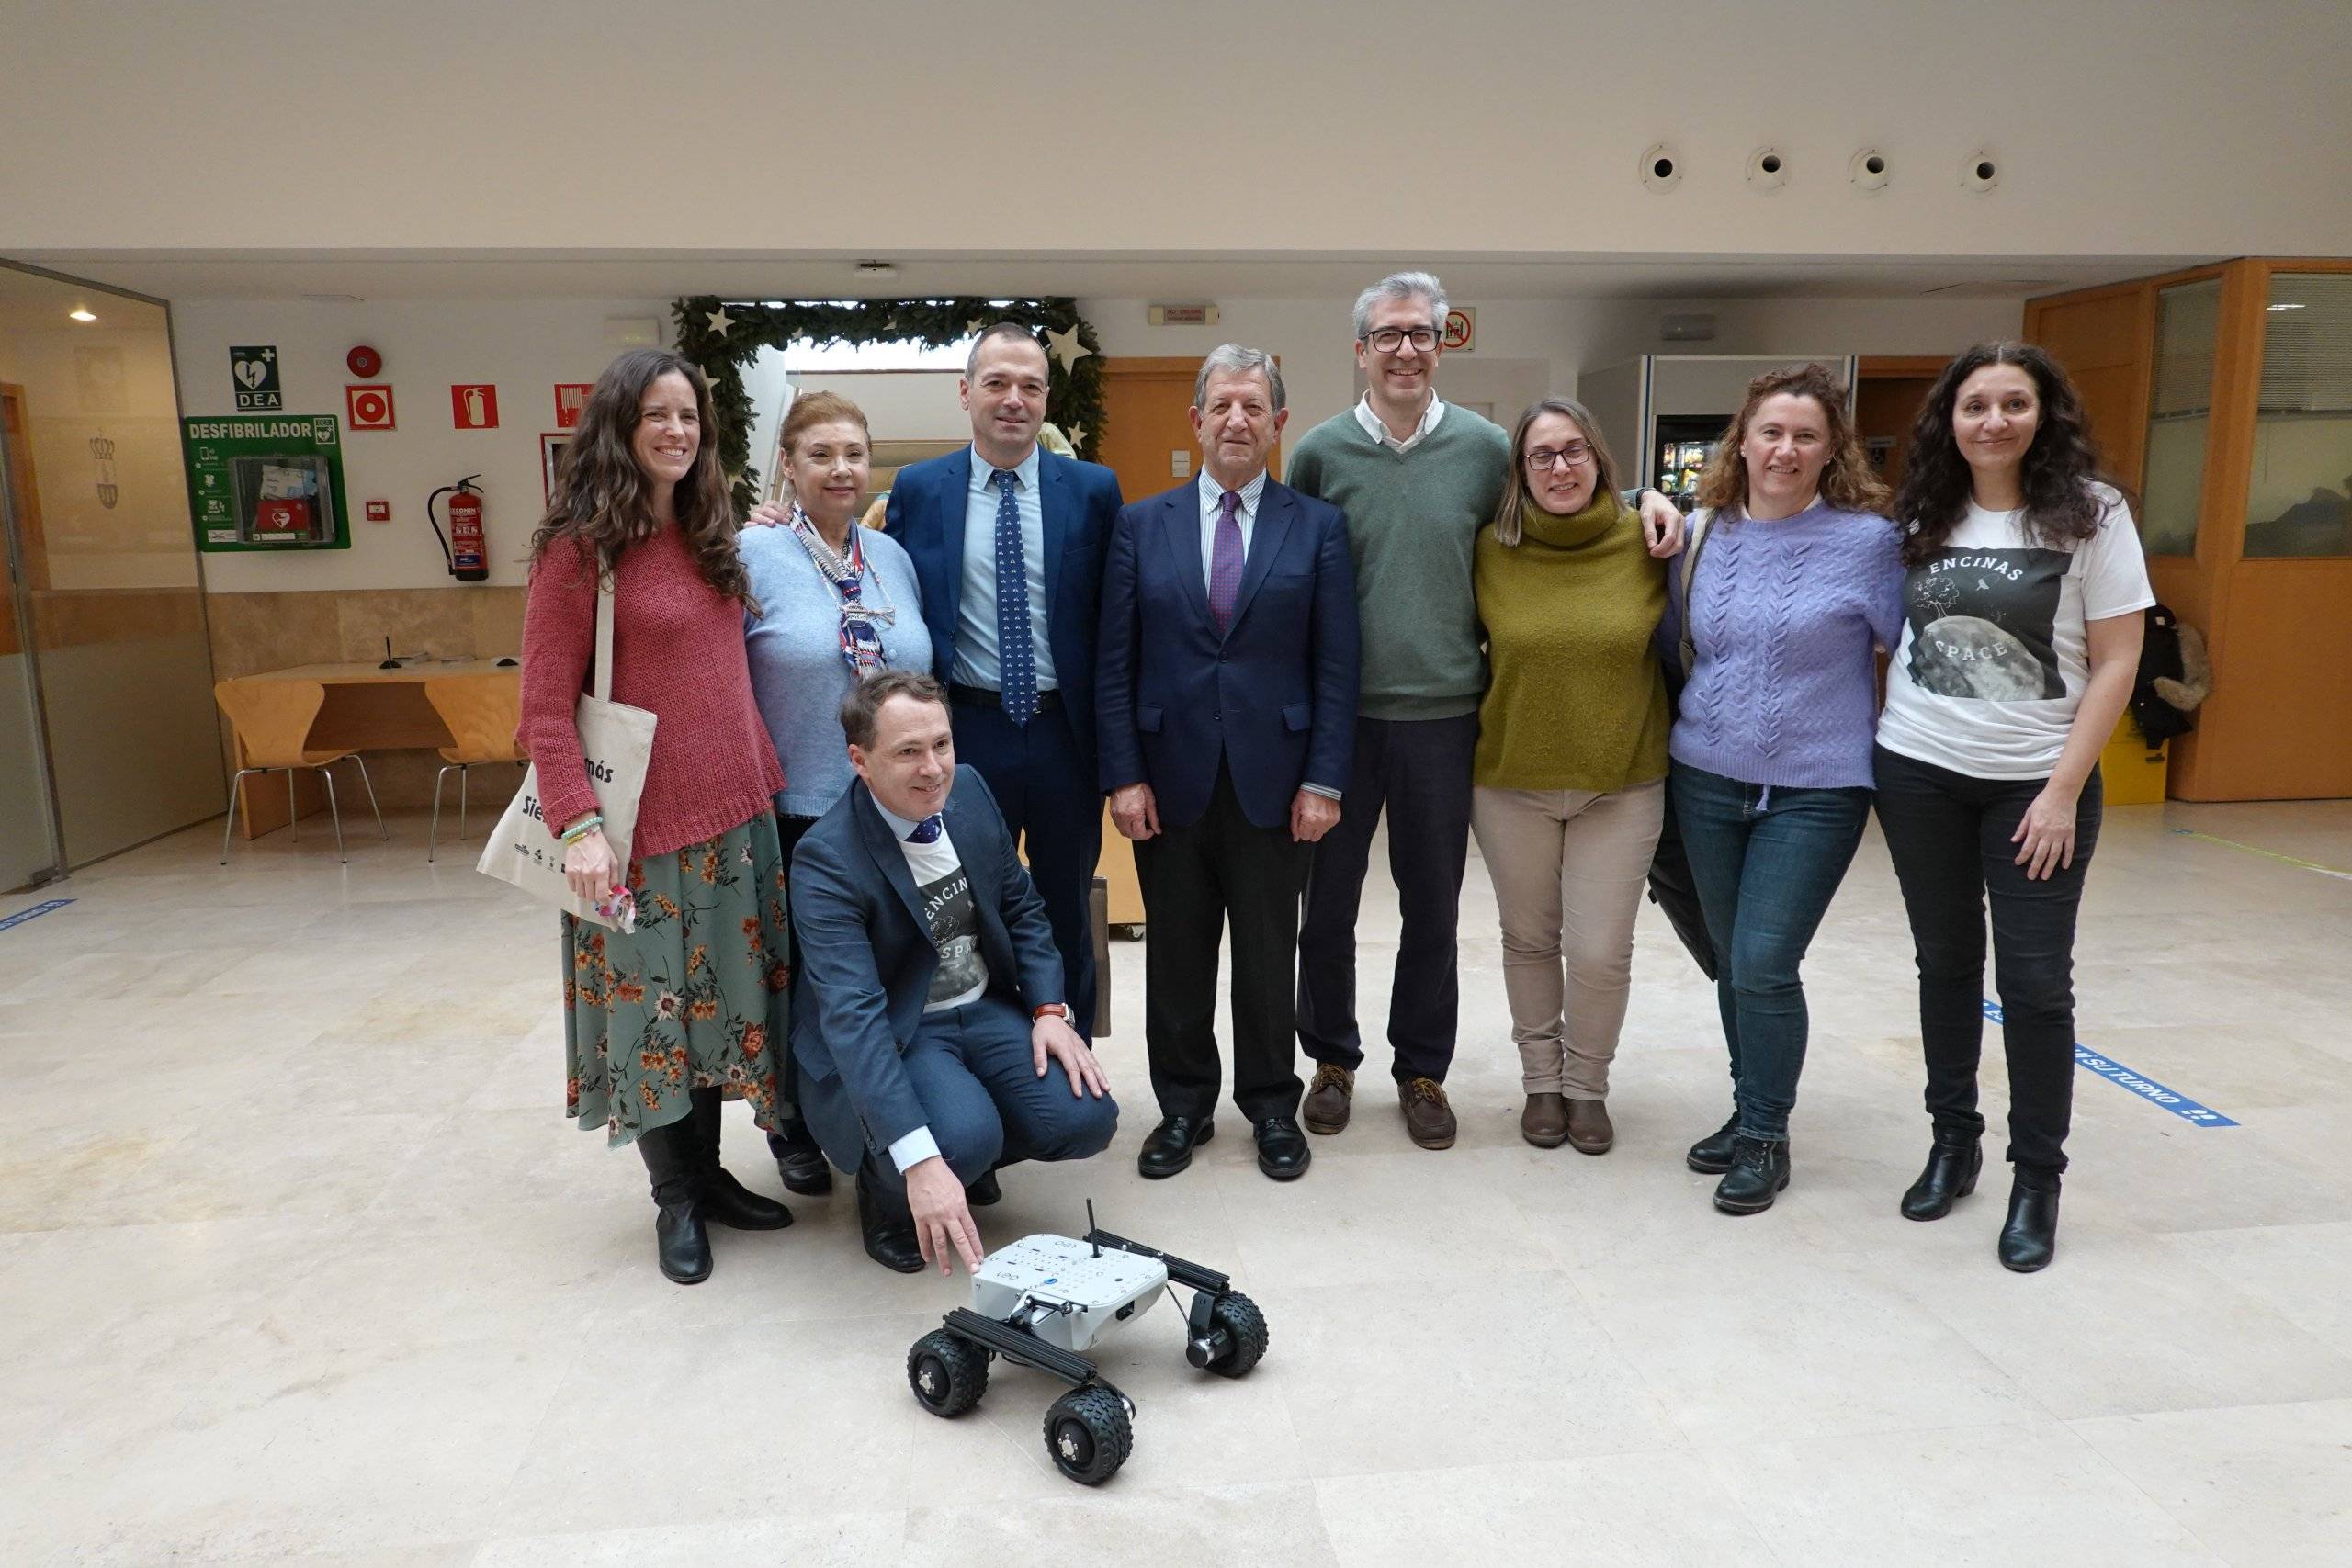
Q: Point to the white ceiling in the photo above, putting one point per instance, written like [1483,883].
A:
[425,275]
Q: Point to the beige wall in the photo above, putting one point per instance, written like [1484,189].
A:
[1488,127]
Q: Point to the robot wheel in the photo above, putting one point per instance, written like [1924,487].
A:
[1088,1434]
[948,1374]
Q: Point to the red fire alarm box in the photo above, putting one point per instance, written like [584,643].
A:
[379,512]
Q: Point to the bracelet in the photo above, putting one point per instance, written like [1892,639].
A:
[582,829]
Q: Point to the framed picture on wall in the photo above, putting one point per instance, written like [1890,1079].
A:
[551,445]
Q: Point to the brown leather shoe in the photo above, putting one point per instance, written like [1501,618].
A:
[1589,1128]
[1428,1120]
[1545,1122]
[1328,1098]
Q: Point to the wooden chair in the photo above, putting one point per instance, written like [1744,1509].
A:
[483,716]
[272,719]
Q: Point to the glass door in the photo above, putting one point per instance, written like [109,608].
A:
[30,853]
[106,605]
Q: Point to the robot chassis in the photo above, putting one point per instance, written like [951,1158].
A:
[1042,1300]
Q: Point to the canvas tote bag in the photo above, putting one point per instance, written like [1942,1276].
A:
[616,741]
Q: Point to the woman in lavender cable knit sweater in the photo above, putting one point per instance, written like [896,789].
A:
[1798,582]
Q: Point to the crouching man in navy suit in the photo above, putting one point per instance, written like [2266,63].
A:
[1226,712]
[931,1027]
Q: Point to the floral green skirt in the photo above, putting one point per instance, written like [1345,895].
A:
[695,998]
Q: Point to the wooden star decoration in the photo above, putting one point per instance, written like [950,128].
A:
[1078,438]
[719,320]
[1066,348]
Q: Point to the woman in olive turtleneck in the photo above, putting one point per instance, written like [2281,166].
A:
[1571,763]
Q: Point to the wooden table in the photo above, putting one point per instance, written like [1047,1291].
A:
[366,709]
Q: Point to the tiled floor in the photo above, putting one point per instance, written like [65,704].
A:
[300,1263]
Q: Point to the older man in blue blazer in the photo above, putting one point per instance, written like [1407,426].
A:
[1007,543]
[930,1025]
[1226,699]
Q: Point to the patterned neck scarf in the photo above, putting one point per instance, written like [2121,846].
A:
[861,643]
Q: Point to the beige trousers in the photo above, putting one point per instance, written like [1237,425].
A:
[1568,867]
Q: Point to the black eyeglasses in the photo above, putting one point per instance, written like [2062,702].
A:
[1387,340]
[1543,459]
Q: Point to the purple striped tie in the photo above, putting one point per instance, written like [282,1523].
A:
[1224,564]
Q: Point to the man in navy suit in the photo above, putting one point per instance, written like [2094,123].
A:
[929,1024]
[1007,542]
[1227,702]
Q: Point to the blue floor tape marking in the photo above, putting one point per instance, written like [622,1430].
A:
[2115,1072]
[35,912]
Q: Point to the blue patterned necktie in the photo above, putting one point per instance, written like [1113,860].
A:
[927,831]
[1016,655]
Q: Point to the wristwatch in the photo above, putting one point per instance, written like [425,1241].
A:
[1057,1009]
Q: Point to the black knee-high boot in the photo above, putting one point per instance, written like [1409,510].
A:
[721,1199]
[679,1239]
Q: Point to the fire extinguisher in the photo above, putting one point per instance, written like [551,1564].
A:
[462,545]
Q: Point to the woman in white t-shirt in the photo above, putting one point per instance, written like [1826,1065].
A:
[2022,599]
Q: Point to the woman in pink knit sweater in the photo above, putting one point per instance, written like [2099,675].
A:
[663,1022]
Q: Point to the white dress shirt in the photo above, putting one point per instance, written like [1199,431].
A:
[976,661]
[1379,432]
[1213,509]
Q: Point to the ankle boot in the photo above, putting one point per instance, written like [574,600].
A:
[679,1241]
[1545,1122]
[1711,1155]
[888,1228]
[1951,1171]
[1759,1169]
[2030,1239]
[719,1198]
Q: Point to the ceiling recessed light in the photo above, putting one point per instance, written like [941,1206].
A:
[80,314]
[2284,305]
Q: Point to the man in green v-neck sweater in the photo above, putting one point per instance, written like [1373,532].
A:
[1416,480]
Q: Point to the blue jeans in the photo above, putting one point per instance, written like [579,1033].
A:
[1767,861]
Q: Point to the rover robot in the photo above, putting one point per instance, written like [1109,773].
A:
[1045,1299]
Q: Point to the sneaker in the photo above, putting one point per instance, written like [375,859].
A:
[1428,1120]
[1326,1109]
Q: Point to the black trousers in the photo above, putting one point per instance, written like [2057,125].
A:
[1420,770]
[1949,836]
[1197,881]
[1043,783]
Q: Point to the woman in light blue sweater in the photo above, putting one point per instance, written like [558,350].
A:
[836,602]
[1796,583]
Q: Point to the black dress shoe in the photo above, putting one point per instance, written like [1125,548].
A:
[2030,1239]
[1170,1148]
[1953,1165]
[888,1228]
[800,1161]
[1759,1171]
[1711,1154]
[984,1192]
[1282,1152]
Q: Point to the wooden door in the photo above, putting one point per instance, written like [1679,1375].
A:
[1147,428]
[1887,395]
